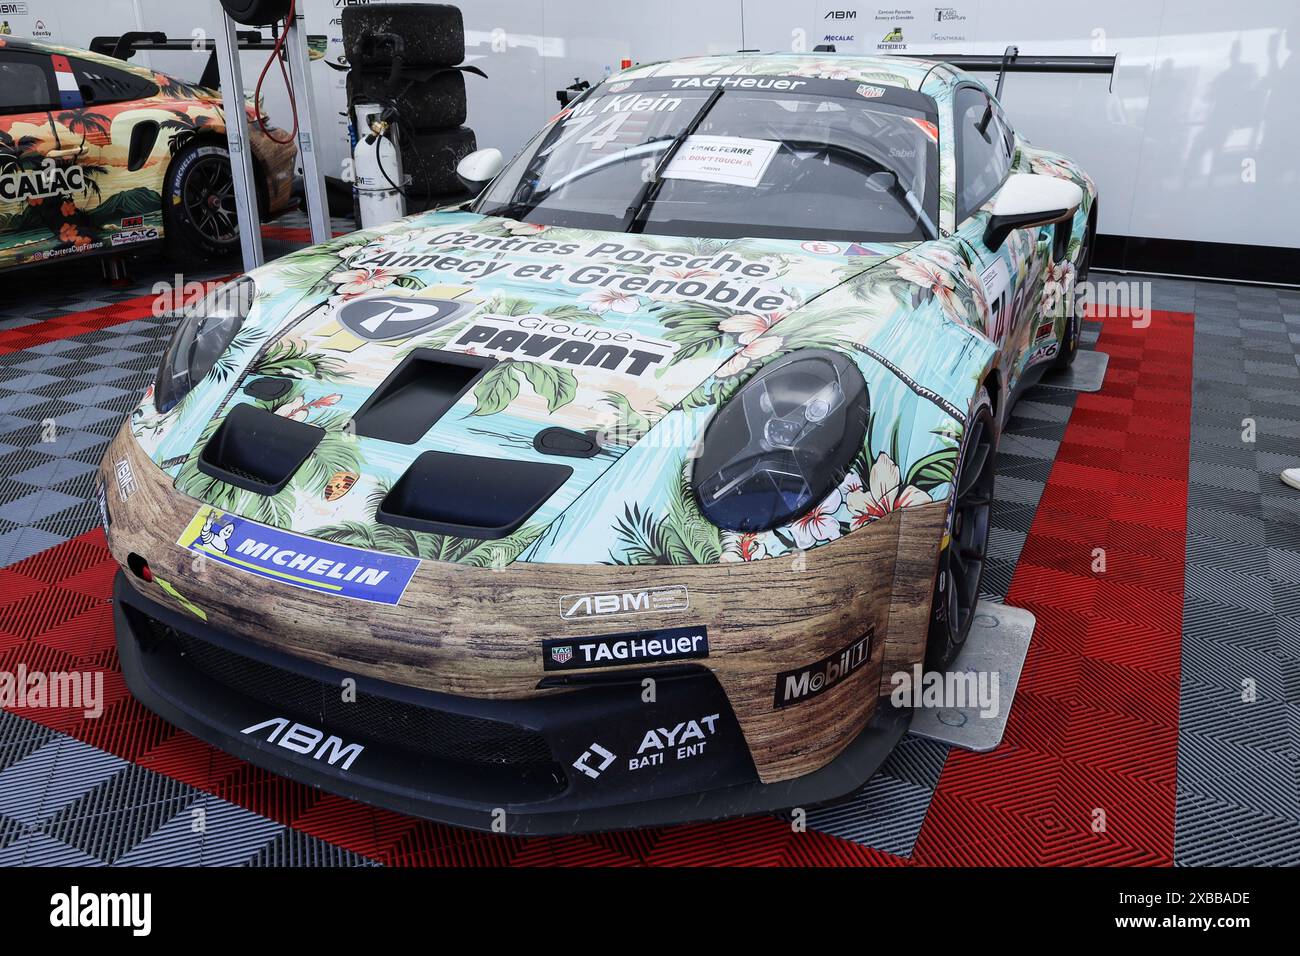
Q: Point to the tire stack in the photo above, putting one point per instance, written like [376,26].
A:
[430,95]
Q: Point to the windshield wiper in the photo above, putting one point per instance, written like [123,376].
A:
[649,189]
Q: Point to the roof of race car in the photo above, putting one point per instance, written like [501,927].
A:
[904,72]
[40,46]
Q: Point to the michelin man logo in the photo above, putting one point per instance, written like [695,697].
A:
[215,536]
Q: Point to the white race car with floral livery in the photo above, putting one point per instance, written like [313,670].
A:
[615,496]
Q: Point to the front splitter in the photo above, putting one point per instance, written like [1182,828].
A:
[398,780]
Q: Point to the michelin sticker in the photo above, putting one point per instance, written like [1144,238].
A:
[722,159]
[294,559]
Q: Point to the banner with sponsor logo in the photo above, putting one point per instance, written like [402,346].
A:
[296,560]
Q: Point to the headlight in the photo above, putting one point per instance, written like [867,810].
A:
[783,441]
[203,334]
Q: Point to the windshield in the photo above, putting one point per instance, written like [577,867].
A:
[833,161]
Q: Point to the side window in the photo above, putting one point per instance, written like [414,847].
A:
[983,157]
[26,83]
[1008,135]
[105,84]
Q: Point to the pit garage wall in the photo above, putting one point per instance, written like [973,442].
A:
[1199,140]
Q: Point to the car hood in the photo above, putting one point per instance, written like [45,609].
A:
[582,330]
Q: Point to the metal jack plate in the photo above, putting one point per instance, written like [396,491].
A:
[987,671]
[1085,375]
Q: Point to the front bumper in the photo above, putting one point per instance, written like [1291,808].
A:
[597,757]
[472,640]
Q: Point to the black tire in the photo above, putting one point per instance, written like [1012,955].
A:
[430,160]
[433,34]
[1074,325]
[961,564]
[256,13]
[435,103]
[199,213]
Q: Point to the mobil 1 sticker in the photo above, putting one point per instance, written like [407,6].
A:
[805,683]
[637,647]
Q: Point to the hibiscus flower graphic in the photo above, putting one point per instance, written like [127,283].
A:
[751,353]
[354,282]
[884,493]
[746,546]
[601,301]
[747,327]
[818,525]
[937,280]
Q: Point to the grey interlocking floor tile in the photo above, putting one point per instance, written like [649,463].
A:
[110,820]
[35,506]
[44,781]
[207,832]
[293,848]
[1238,762]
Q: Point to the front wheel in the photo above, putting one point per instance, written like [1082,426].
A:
[199,204]
[961,564]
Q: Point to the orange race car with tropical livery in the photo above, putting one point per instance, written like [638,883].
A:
[97,155]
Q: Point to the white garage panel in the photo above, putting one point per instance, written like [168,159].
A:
[1198,140]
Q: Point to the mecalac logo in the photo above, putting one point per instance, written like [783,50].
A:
[805,683]
[674,597]
[42,183]
[640,647]
[383,317]
[297,560]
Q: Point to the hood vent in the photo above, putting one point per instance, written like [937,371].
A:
[418,393]
[258,450]
[468,496]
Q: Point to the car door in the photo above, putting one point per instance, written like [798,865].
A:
[1011,275]
[30,150]
[120,127]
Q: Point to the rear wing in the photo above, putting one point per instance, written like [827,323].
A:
[124,47]
[1012,62]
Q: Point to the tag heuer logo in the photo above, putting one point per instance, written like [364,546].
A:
[383,317]
[562,655]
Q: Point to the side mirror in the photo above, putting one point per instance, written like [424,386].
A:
[479,168]
[1028,200]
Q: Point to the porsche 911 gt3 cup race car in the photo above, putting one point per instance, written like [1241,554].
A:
[99,156]
[615,496]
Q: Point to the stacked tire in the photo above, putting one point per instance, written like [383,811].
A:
[430,96]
